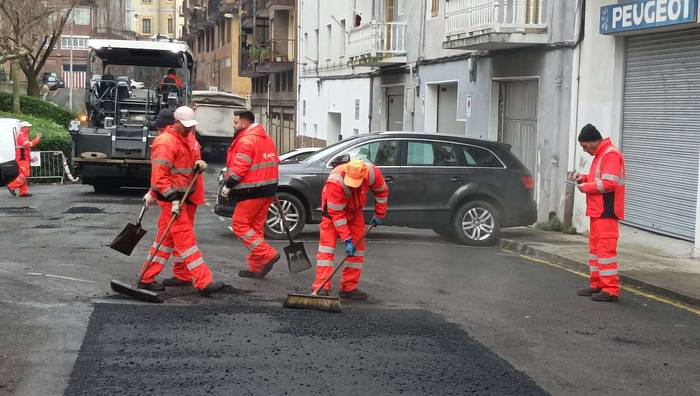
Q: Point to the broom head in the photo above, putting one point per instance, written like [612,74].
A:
[310,301]
[139,294]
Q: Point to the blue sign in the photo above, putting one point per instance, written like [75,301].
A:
[646,14]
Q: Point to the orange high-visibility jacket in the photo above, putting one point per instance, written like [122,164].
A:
[23,145]
[339,201]
[605,183]
[172,160]
[252,164]
[197,196]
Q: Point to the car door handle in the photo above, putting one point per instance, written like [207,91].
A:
[455,179]
[389,179]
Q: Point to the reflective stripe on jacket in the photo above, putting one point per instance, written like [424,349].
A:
[23,145]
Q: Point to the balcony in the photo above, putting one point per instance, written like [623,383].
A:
[273,56]
[378,44]
[494,24]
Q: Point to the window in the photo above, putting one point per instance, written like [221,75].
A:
[435,8]
[329,42]
[381,153]
[79,42]
[357,109]
[474,156]
[290,81]
[341,38]
[420,154]
[278,78]
[80,15]
[303,108]
[316,48]
[171,27]
[146,26]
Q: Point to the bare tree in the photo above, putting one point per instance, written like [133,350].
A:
[34,27]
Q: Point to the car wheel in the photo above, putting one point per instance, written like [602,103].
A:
[476,223]
[294,212]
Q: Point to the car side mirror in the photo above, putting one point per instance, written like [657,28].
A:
[340,160]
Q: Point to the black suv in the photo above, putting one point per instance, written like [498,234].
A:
[461,188]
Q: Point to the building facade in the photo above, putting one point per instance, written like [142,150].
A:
[151,18]
[497,70]
[268,56]
[639,85]
[212,31]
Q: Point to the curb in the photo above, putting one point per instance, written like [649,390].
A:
[527,250]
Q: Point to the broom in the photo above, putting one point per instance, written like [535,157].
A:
[313,300]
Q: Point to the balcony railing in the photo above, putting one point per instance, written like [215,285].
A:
[271,57]
[473,17]
[378,39]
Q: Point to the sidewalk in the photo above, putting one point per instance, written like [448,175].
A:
[648,261]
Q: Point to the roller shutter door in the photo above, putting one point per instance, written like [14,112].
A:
[661,131]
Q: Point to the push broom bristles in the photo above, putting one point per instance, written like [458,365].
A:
[310,301]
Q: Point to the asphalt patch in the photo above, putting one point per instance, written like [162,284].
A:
[239,349]
[85,210]
[12,211]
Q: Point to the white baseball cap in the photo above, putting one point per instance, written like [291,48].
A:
[24,124]
[185,115]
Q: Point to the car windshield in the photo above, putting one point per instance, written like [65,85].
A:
[324,151]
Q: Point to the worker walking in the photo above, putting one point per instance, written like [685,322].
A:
[343,199]
[251,182]
[181,275]
[604,187]
[23,145]
[173,165]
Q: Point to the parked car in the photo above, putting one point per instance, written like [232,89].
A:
[9,170]
[61,82]
[299,154]
[53,83]
[461,188]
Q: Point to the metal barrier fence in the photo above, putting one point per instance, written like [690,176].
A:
[49,165]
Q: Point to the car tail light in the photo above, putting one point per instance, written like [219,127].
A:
[528,182]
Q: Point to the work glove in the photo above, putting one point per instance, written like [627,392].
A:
[175,208]
[349,247]
[225,191]
[148,199]
[199,166]
[376,221]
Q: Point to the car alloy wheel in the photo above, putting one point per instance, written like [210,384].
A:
[478,224]
[274,220]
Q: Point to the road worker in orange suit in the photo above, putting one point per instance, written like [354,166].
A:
[343,198]
[604,186]
[23,145]
[173,165]
[181,275]
[251,182]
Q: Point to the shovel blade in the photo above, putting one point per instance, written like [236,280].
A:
[297,259]
[139,294]
[128,238]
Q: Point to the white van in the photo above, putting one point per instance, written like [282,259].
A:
[9,128]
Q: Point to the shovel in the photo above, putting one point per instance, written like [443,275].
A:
[130,236]
[297,259]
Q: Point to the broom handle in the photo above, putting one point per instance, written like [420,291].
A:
[347,256]
[284,219]
[148,262]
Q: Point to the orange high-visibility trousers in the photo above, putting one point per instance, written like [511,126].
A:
[248,223]
[181,238]
[602,260]
[352,270]
[22,180]
[180,270]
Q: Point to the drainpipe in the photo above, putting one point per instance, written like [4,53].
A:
[573,115]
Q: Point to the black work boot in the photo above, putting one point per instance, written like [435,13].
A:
[211,289]
[587,292]
[356,294]
[269,265]
[153,286]
[12,191]
[175,282]
[27,195]
[603,297]
[250,274]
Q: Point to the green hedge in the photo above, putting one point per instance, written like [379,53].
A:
[37,107]
[54,137]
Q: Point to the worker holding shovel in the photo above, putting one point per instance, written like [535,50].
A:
[343,199]
[174,164]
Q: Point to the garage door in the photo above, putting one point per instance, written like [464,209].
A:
[661,131]
[447,111]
